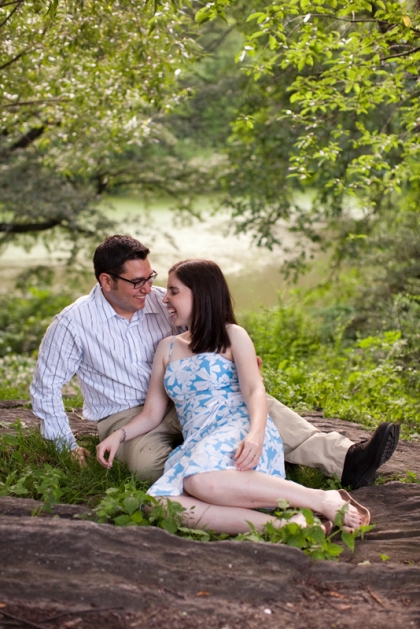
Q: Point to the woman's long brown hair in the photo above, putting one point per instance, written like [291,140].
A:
[212,304]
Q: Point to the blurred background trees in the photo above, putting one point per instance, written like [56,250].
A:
[84,91]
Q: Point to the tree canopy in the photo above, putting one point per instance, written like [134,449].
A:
[334,109]
[84,87]
[324,98]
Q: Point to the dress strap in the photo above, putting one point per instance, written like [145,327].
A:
[170,348]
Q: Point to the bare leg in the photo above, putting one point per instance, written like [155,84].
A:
[230,520]
[253,490]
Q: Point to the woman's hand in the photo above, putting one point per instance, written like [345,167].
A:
[110,445]
[249,452]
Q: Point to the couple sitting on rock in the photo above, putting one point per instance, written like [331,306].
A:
[160,369]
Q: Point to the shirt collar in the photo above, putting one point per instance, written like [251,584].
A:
[106,311]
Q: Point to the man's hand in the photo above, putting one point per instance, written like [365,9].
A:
[79,454]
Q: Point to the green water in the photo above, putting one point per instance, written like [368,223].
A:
[253,273]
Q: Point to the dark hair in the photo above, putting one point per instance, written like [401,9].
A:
[212,304]
[111,255]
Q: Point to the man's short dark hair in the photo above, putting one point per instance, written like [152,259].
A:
[111,255]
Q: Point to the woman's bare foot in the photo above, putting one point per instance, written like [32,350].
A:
[300,519]
[333,502]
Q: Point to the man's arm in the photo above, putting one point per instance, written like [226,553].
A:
[59,358]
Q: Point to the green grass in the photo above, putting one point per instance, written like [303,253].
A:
[27,457]
[31,467]
[29,460]
[310,365]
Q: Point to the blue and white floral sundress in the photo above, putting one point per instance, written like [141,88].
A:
[214,419]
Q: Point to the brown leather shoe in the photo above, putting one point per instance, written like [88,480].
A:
[365,458]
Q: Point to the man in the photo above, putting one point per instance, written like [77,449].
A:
[109,337]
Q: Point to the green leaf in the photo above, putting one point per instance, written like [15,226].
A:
[254,16]
[10,440]
[348,539]
[19,490]
[18,457]
[168,525]
[309,516]
[137,517]
[317,534]
[122,520]
[203,15]
[334,550]
[131,504]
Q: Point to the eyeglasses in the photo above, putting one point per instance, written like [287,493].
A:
[138,283]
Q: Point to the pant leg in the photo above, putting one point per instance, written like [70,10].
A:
[306,445]
[145,455]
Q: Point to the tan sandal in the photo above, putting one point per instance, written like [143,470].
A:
[364,513]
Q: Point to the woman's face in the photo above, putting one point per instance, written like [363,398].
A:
[179,301]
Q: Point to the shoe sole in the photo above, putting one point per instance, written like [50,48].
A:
[385,451]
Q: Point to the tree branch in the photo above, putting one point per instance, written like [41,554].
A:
[9,63]
[22,228]
[7,4]
[402,54]
[218,40]
[343,19]
[28,138]
[361,20]
[35,102]
[11,13]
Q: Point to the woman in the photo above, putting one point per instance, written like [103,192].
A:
[231,461]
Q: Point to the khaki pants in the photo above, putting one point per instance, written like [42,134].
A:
[303,443]
[145,455]
[306,445]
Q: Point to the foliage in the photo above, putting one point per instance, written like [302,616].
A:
[78,74]
[215,87]
[33,467]
[312,539]
[388,276]
[23,320]
[334,108]
[311,365]
[84,90]
[16,373]
[133,507]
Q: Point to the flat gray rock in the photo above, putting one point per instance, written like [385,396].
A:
[127,577]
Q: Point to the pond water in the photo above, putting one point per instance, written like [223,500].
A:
[253,273]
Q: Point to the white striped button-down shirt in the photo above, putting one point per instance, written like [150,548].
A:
[111,356]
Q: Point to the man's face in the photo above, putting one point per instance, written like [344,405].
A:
[123,297]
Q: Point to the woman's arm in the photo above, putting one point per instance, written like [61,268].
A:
[151,415]
[252,389]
